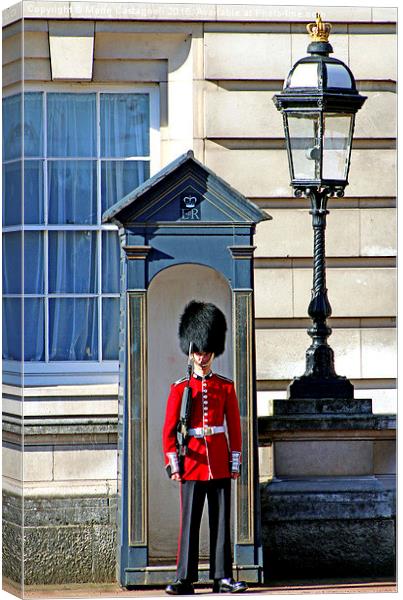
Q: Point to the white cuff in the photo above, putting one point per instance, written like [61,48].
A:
[235,461]
[173,462]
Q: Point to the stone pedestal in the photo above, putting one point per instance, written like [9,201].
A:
[329,509]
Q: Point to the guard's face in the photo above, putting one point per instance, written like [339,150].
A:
[203,359]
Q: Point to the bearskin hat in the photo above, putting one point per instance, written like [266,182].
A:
[203,324]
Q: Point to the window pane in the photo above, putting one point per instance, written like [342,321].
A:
[12,127]
[33,262]
[110,262]
[72,262]
[72,191]
[12,262]
[71,124]
[73,329]
[118,178]
[74,128]
[12,197]
[34,329]
[110,328]
[33,192]
[12,328]
[125,125]
[33,115]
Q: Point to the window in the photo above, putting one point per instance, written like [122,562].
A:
[79,154]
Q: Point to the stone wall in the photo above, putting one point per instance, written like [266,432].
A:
[66,540]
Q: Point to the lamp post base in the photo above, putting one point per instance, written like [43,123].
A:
[309,386]
[320,379]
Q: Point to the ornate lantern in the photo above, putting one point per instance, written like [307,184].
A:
[319,102]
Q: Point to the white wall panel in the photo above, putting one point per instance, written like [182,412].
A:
[290,233]
[247,55]
[373,57]
[273,293]
[353,292]
[280,353]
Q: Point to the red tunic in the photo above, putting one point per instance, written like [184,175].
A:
[214,402]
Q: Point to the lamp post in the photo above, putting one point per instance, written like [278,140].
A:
[319,102]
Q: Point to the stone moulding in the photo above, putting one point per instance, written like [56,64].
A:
[321,415]
[62,430]
[269,427]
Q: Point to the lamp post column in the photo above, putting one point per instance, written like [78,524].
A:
[320,359]
[320,379]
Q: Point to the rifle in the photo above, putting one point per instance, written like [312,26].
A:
[182,434]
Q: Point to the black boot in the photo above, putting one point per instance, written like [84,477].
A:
[180,587]
[228,586]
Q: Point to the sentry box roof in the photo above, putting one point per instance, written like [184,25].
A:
[185,192]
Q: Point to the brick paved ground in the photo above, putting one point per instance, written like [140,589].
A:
[350,586]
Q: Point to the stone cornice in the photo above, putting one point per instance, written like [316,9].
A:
[147,11]
[242,252]
[137,252]
[329,426]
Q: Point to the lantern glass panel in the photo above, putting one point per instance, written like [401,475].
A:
[304,75]
[304,145]
[337,134]
[338,76]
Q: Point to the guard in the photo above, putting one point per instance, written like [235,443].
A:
[212,455]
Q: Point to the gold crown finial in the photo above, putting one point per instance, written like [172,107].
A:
[319,31]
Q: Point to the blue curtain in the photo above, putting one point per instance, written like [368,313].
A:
[12,126]
[34,329]
[12,262]
[33,193]
[12,196]
[125,125]
[73,329]
[33,308]
[12,334]
[71,125]
[119,177]
[72,192]
[110,262]
[28,342]
[73,267]
[110,328]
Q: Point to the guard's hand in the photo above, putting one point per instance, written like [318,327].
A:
[176,477]
[235,475]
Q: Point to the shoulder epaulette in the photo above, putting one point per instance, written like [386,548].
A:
[180,381]
[225,378]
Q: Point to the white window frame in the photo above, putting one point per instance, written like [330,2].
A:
[78,372]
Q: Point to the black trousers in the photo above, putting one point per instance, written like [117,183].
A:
[193,495]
